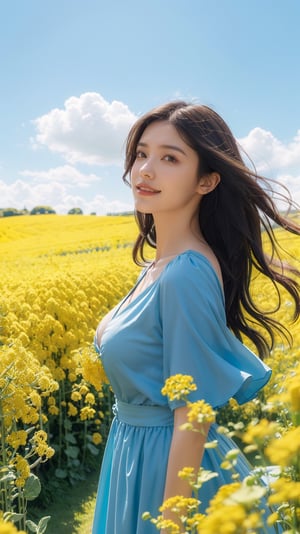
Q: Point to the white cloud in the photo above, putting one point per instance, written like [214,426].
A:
[20,194]
[275,159]
[59,196]
[65,174]
[269,153]
[292,183]
[89,129]
[102,205]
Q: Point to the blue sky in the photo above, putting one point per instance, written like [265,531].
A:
[76,73]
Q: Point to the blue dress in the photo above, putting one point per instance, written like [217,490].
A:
[175,325]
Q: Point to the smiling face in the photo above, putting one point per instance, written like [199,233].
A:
[165,174]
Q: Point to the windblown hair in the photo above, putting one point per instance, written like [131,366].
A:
[231,219]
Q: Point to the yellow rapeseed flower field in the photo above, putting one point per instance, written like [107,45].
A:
[59,276]
[37,235]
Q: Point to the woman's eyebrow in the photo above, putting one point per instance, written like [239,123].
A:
[170,147]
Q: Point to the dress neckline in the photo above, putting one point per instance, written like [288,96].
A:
[120,308]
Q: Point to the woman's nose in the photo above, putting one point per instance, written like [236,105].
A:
[146,170]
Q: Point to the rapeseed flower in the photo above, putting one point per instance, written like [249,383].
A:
[91,369]
[162,524]
[259,432]
[231,518]
[72,410]
[167,525]
[196,479]
[87,413]
[178,503]
[200,412]
[51,401]
[53,410]
[294,392]
[6,527]
[284,490]
[178,387]
[286,450]
[41,447]
[223,493]
[272,518]
[76,396]
[72,377]
[35,398]
[22,469]
[17,439]
[83,390]
[97,438]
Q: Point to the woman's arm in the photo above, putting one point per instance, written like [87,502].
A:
[187,448]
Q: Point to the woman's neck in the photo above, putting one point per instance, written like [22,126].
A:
[174,235]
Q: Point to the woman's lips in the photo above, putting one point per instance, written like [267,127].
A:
[146,190]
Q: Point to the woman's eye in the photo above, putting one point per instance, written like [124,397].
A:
[140,154]
[170,158]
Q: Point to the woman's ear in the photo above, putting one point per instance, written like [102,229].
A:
[208,183]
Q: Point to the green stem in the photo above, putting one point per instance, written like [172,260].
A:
[3,463]
[84,443]
[22,509]
[60,428]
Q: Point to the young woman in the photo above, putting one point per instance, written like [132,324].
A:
[203,211]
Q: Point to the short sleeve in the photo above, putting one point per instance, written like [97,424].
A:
[196,339]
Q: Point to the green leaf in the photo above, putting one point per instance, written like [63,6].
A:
[70,438]
[32,526]
[61,473]
[12,516]
[75,475]
[32,487]
[42,526]
[8,477]
[67,424]
[72,452]
[93,449]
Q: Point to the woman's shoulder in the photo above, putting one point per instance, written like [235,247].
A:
[194,267]
[189,284]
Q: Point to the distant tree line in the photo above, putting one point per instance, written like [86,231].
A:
[45,210]
[37,210]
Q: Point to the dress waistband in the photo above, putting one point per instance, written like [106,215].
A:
[143,415]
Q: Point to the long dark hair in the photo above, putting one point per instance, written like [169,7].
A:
[231,218]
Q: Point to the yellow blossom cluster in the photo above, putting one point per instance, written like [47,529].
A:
[17,439]
[97,438]
[260,432]
[22,469]
[179,504]
[178,387]
[286,450]
[200,412]
[236,520]
[285,490]
[40,444]
[7,527]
